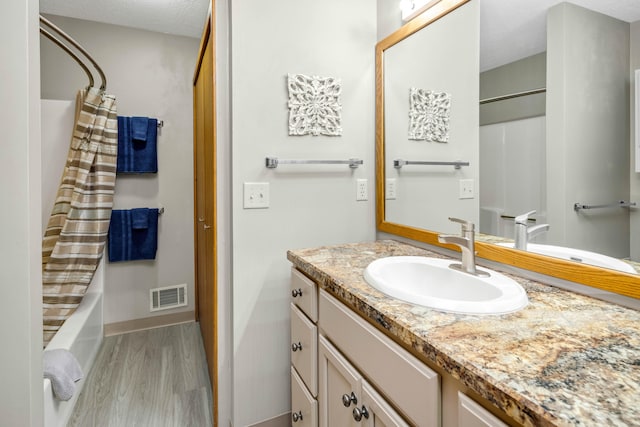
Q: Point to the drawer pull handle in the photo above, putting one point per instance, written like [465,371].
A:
[296,346]
[296,416]
[296,293]
[348,399]
[359,413]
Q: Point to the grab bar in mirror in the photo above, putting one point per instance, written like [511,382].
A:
[398,163]
[273,162]
[621,204]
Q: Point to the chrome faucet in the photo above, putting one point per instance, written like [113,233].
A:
[466,242]
[523,232]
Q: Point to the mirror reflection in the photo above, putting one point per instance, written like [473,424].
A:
[547,129]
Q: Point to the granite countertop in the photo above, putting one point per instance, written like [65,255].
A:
[564,360]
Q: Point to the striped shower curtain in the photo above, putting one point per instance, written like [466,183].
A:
[77,229]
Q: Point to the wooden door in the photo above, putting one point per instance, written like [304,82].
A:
[205,203]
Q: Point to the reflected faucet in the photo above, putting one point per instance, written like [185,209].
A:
[466,242]
[523,232]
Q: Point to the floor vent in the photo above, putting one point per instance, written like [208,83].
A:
[168,297]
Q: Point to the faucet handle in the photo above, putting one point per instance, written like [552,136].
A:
[466,225]
[522,219]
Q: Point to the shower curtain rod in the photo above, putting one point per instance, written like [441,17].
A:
[72,54]
[513,95]
[75,44]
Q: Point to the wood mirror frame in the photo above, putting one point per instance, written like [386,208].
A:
[608,280]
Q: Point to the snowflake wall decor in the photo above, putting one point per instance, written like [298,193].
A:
[314,105]
[429,115]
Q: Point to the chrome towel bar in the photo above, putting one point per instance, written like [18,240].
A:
[398,163]
[621,204]
[273,162]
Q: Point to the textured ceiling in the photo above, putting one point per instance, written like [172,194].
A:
[180,17]
[514,29]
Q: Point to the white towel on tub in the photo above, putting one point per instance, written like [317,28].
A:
[63,369]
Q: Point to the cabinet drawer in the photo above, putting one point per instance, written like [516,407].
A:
[304,408]
[304,294]
[471,414]
[404,380]
[304,349]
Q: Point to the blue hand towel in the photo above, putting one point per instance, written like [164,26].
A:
[137,145]
[63,369]
[140,218]
[127,243]
[139,126]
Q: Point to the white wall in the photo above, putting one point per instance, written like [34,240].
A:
[587,128]
[21,400]
[425,61]
[224,214]
[151,75]
[310,205]
[389,17]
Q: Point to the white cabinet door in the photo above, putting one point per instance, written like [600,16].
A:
[304,294]
[471,414]
[304,348]
[376,412]
[410,386]
[340,389]
[304,408]
[347,399]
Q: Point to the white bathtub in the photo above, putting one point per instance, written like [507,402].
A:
[82,335]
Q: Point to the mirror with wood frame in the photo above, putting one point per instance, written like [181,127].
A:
[608,280]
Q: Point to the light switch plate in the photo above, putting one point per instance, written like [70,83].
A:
[390,189]
[256,195]
[466,189]
[362,190]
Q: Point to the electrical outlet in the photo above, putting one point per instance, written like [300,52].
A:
[256,195]
[390,189]
[362,191]
[466,189]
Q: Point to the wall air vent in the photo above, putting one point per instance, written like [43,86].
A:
[168,297]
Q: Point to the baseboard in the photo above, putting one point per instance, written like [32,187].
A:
[118,328]
[283,420]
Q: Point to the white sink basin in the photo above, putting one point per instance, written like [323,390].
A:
[431,283]
[578,255]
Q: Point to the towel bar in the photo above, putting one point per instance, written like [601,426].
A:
[273,162]
[398,163]
[621,204]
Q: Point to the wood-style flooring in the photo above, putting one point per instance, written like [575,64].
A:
[157,377]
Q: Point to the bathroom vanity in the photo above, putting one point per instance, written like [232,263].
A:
[360,357]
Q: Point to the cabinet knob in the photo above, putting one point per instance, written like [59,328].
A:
[348,399]
[206,227]
[296,416]
[296,346]
[358,413]
[296,293]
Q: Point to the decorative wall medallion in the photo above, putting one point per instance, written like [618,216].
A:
[314,105]
[429,115]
